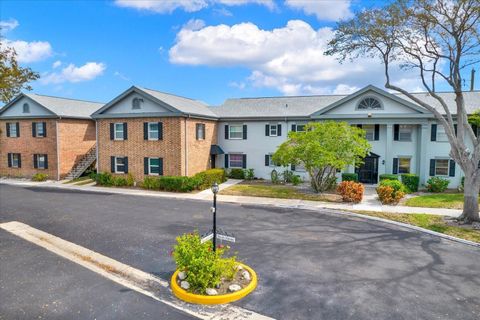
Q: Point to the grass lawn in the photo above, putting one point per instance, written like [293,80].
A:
[430,222]
[440,200]
[265,189]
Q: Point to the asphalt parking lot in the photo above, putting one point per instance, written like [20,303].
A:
[311,265]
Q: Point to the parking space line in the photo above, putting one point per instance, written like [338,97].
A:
[132,278]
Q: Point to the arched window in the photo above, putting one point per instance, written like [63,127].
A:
[369,103]
[137,103]
[26,108]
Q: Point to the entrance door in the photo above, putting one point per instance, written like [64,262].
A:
[368,171]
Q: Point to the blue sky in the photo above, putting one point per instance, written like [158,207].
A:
[204,49]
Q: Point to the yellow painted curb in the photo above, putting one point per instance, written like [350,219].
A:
[219,299]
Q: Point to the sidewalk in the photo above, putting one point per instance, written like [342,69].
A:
[369,204]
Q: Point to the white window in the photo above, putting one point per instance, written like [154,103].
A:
[12,128]
[300,128]
[441,135]
[40,129]
[235,132]
[118,131]
[119,165]
[369,103]
[235,160]
[404,165]
[441,167]
[405,133]
[15,160]
[26,108]
[369,131]
[273,130]
[270,160]
[41,161]
[154,166]
[200,131]
[153,131]
[300,167]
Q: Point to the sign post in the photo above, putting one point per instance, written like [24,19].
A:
[214,209]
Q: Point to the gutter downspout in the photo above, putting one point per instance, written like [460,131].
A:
[58,147]
[96,145]
[186,146]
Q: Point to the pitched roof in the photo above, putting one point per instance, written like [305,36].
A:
[62,107]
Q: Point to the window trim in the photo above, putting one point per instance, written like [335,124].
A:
[115,131]
[399,133]
[37,131]
[203,131]
[368,131]
[230,132]
[448,167]
[270,160]
[10,126]
[230,160]
[137,103]
[39,155]
[150,173]
[11,155]
[367,109]
[409,158]
[116,165]
[270,134]
[149,137]
[302,125]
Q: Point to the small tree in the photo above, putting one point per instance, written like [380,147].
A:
[13,78]
[323,148]
[439,39]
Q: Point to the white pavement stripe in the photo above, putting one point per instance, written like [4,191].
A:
[125,275]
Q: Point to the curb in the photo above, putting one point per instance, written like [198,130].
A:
[219,299]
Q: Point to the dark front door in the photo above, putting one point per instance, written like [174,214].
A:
[368,171]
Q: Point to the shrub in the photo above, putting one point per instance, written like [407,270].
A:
[178,184]
[350,177]
[411,181]
[204,267]
[461,187]
[151,183]
[351,191]
[249,174]
[287,176]
[387,176]
[390,191]
[209,177]
[107,179]
[437,184]
[274,176]
[296,180]
[237,174]
[104,179]
[40,177]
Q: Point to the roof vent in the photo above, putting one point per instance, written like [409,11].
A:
[136,103]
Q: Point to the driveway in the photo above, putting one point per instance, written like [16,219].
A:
[311,265]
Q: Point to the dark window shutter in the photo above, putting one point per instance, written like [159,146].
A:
[294,127]
[226,160]
[145,165]
[160,131]
[474,128]
[44,124]
[34,129]
[267,130]
[226,132]
[19,160]
[112,164]
[244,132]
[9,160]
[292,167]
[396,132]
[145,131]
[455,129]
[267,160]
[451,169]
[244,160]
[377,132]
[359,126]
[112,133]
[433,133]
[18,129]
[279,130]
[46,161]
[160,166]
[8,129]
[125,131]
[35,164]
[197,126]
[125,159]
[432,167]
[395,166]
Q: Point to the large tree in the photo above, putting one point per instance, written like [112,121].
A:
[439,39]
[322,149]
[13,77]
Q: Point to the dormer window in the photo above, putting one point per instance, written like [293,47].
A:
[369,103]
[26,108]
[137,103]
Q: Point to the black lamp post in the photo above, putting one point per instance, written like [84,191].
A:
[215,189]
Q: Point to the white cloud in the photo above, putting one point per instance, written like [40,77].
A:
[168,6]
[56,64]
[7,25]
[326,10]
[29,51]
[290,59]
[194,24]
[121,76]
[73,74]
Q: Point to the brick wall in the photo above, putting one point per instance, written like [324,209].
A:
[199,150]
[27,146]
[76,137]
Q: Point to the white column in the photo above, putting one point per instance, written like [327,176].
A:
[388,149]
[422,164]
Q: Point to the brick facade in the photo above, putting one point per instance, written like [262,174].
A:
[172,148]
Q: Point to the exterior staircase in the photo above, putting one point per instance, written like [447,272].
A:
[83,164]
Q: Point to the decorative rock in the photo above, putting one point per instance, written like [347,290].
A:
[246,275]
[182,275]
[239,267]
[211,292]
[234,287]
[185,285]
[476,226]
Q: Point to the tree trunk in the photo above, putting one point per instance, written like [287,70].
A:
[470,204]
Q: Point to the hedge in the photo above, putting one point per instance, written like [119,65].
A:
[387,176]
[411,181]
[350,177]
[209,177]
[107,179]
[236,174]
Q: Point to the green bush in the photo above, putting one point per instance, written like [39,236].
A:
[350,177]
[40,177]
[104,179]
[178,184]
[204,267]
[437,184]
[395,184]
[151,183]
[287,176]
[274,177]
[387,176]
[209,177]
[249,174]
[108,180]
[411,182]
[296,180]
[236,174]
